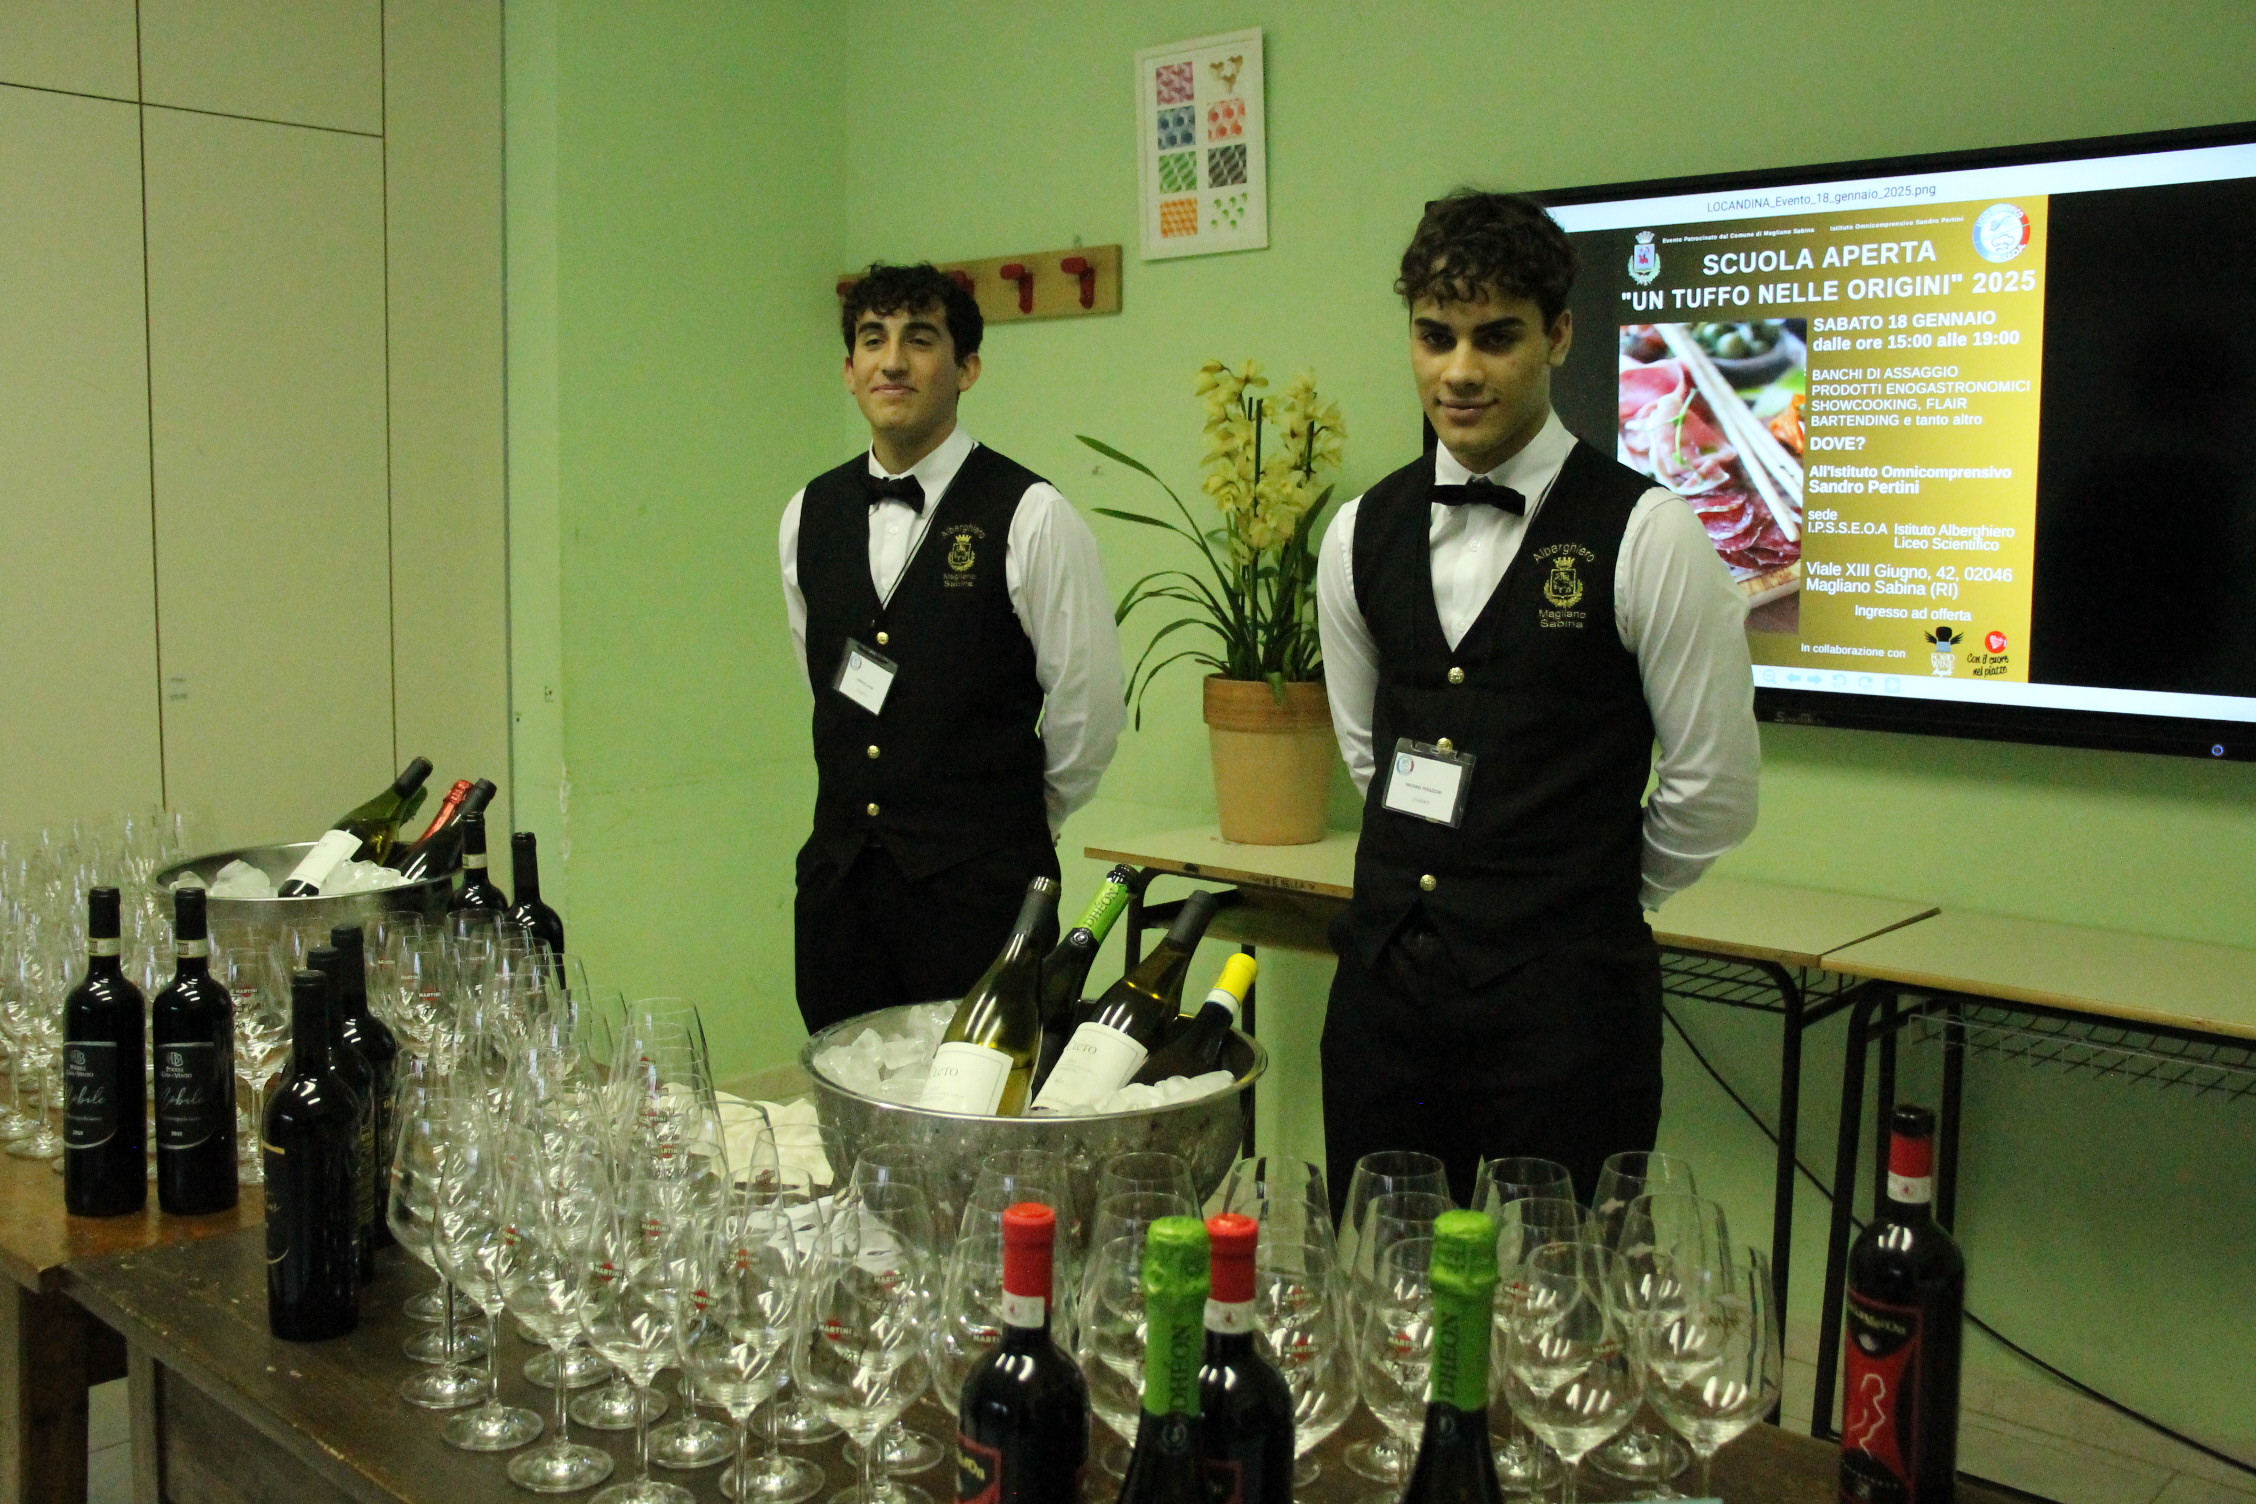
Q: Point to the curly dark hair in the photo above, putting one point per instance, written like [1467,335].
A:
[1472,243]
[887,289]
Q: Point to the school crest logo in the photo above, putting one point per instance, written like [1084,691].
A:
[1563,585]
[1645,260]
[1563,588]
[962,556]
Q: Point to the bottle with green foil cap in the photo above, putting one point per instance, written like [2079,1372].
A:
[1167,1466]
[1455,1462]
[1065,970]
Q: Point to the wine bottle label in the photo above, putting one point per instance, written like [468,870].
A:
[1097,1062]
[979,1472]
[967,1078]
[1914,1190]
[101,947]
[474,861]
[191,1094]
[1880,1420]
[1173,1350]
[90,1095]
[193,950]
[1024,1310]
[1104,909]
[1229,1317]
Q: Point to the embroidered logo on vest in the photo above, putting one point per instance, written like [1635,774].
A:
[961,559]
[1562,586]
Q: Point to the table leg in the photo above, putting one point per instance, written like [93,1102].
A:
[1789,1138]
[1844,1202]
[142,1378]
[1946,1128]
[44,1342]
[1248,1023]
[1884,1099]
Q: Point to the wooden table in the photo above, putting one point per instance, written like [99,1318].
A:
[2025,987]
[1742,944]
[224,1414]
[50,1350]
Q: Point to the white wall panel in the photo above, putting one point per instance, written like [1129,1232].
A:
[78,663]
[309,62]
[266,320]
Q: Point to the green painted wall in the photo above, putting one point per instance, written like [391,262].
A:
[714,164]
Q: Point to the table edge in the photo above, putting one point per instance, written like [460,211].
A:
[2062,1002]
[1213,873]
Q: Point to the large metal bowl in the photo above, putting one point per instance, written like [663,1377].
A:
[272,917]
[1205,1132]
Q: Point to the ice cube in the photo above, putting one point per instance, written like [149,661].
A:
[188,880]
[239,879]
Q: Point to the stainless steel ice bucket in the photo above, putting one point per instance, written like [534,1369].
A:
[269,918]
[1206,1132]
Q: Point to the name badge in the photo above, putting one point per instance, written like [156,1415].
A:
[865,676]
[1428,782]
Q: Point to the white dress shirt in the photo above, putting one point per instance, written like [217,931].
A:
[1056,585]
[1675,608]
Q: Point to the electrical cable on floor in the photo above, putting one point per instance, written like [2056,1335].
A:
[1857,1224]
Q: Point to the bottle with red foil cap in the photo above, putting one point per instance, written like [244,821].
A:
[1023,1420]
[1245,1408]
[1907,1304]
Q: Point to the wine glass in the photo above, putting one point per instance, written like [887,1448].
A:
[775,1476]
[1522,1226]
[1146,1170]
[1518,1176]
[550,1200]
[262,1043]
[1300,1299]
[700,1183]
[734,1343]
[1004,1178]
[1714,1368]
[421,1115]
[1107,1328]
[1383,1173]
[1397,1332]
[1642,1453]
[862,1357]
[1574,1377]
[469,1227]
[629,1305]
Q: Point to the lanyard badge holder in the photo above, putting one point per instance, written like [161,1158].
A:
[1428,783]
[864,676]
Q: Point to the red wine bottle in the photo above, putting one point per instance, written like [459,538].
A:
[1065,970]
[192,1035]
[1168,1465]
[1907,1304]
[105,1092]
[363,1031]
[1245,1408]
[439,852]
[311,1144]
[359,1077]
[1197,1049]
[1456,1463]
[478,893]
[528,913]
[1023,1418]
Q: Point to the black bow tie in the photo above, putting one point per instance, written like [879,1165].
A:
[1480,488]
[904,489]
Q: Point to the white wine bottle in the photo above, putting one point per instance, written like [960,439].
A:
[364,832]
[1120,1029]
[985,1064]
[1198,1049]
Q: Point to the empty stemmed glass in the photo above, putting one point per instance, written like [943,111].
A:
[1574,1377]
[1522,1226]
[1515,1177]
[628,1305]
[1396,1340]
[469,1225]
[861,1357]
[1387,1172]
[734,1343]
[424,1112]
[700,1182]
[1004,1179]
[1108,1324]
[1300,1296]
[551,1198]
[1641,1453]
[262,1043]
[1714,1368]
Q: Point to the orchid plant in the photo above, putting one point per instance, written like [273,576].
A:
[1267,459]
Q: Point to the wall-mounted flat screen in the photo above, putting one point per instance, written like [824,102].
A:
[1975,434]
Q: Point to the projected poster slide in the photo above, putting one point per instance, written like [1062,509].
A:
[1204,148]
[1849,400]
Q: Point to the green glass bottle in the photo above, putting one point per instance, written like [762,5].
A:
[1455,1462]
[1168,1465]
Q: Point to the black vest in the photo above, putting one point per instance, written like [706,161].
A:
[1545,698]
[952,766]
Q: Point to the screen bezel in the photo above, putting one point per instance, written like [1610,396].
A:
[2120,731]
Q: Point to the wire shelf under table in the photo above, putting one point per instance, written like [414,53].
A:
[2111,1051]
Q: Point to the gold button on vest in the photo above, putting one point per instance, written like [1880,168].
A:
[883,638]
[873,753]
[873,811]
[1427,882]
[1446,745]
[1456,676]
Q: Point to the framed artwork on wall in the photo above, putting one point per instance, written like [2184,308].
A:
[1203,146]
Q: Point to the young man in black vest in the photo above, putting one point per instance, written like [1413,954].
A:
[1509,625]
[951,613]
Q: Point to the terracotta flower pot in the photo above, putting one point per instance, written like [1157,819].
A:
[1272,763]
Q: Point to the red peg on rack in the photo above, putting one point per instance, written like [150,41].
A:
[1023,275]
[1082,267]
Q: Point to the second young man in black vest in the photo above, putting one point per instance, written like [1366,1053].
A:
[951,613]
[1510,623]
